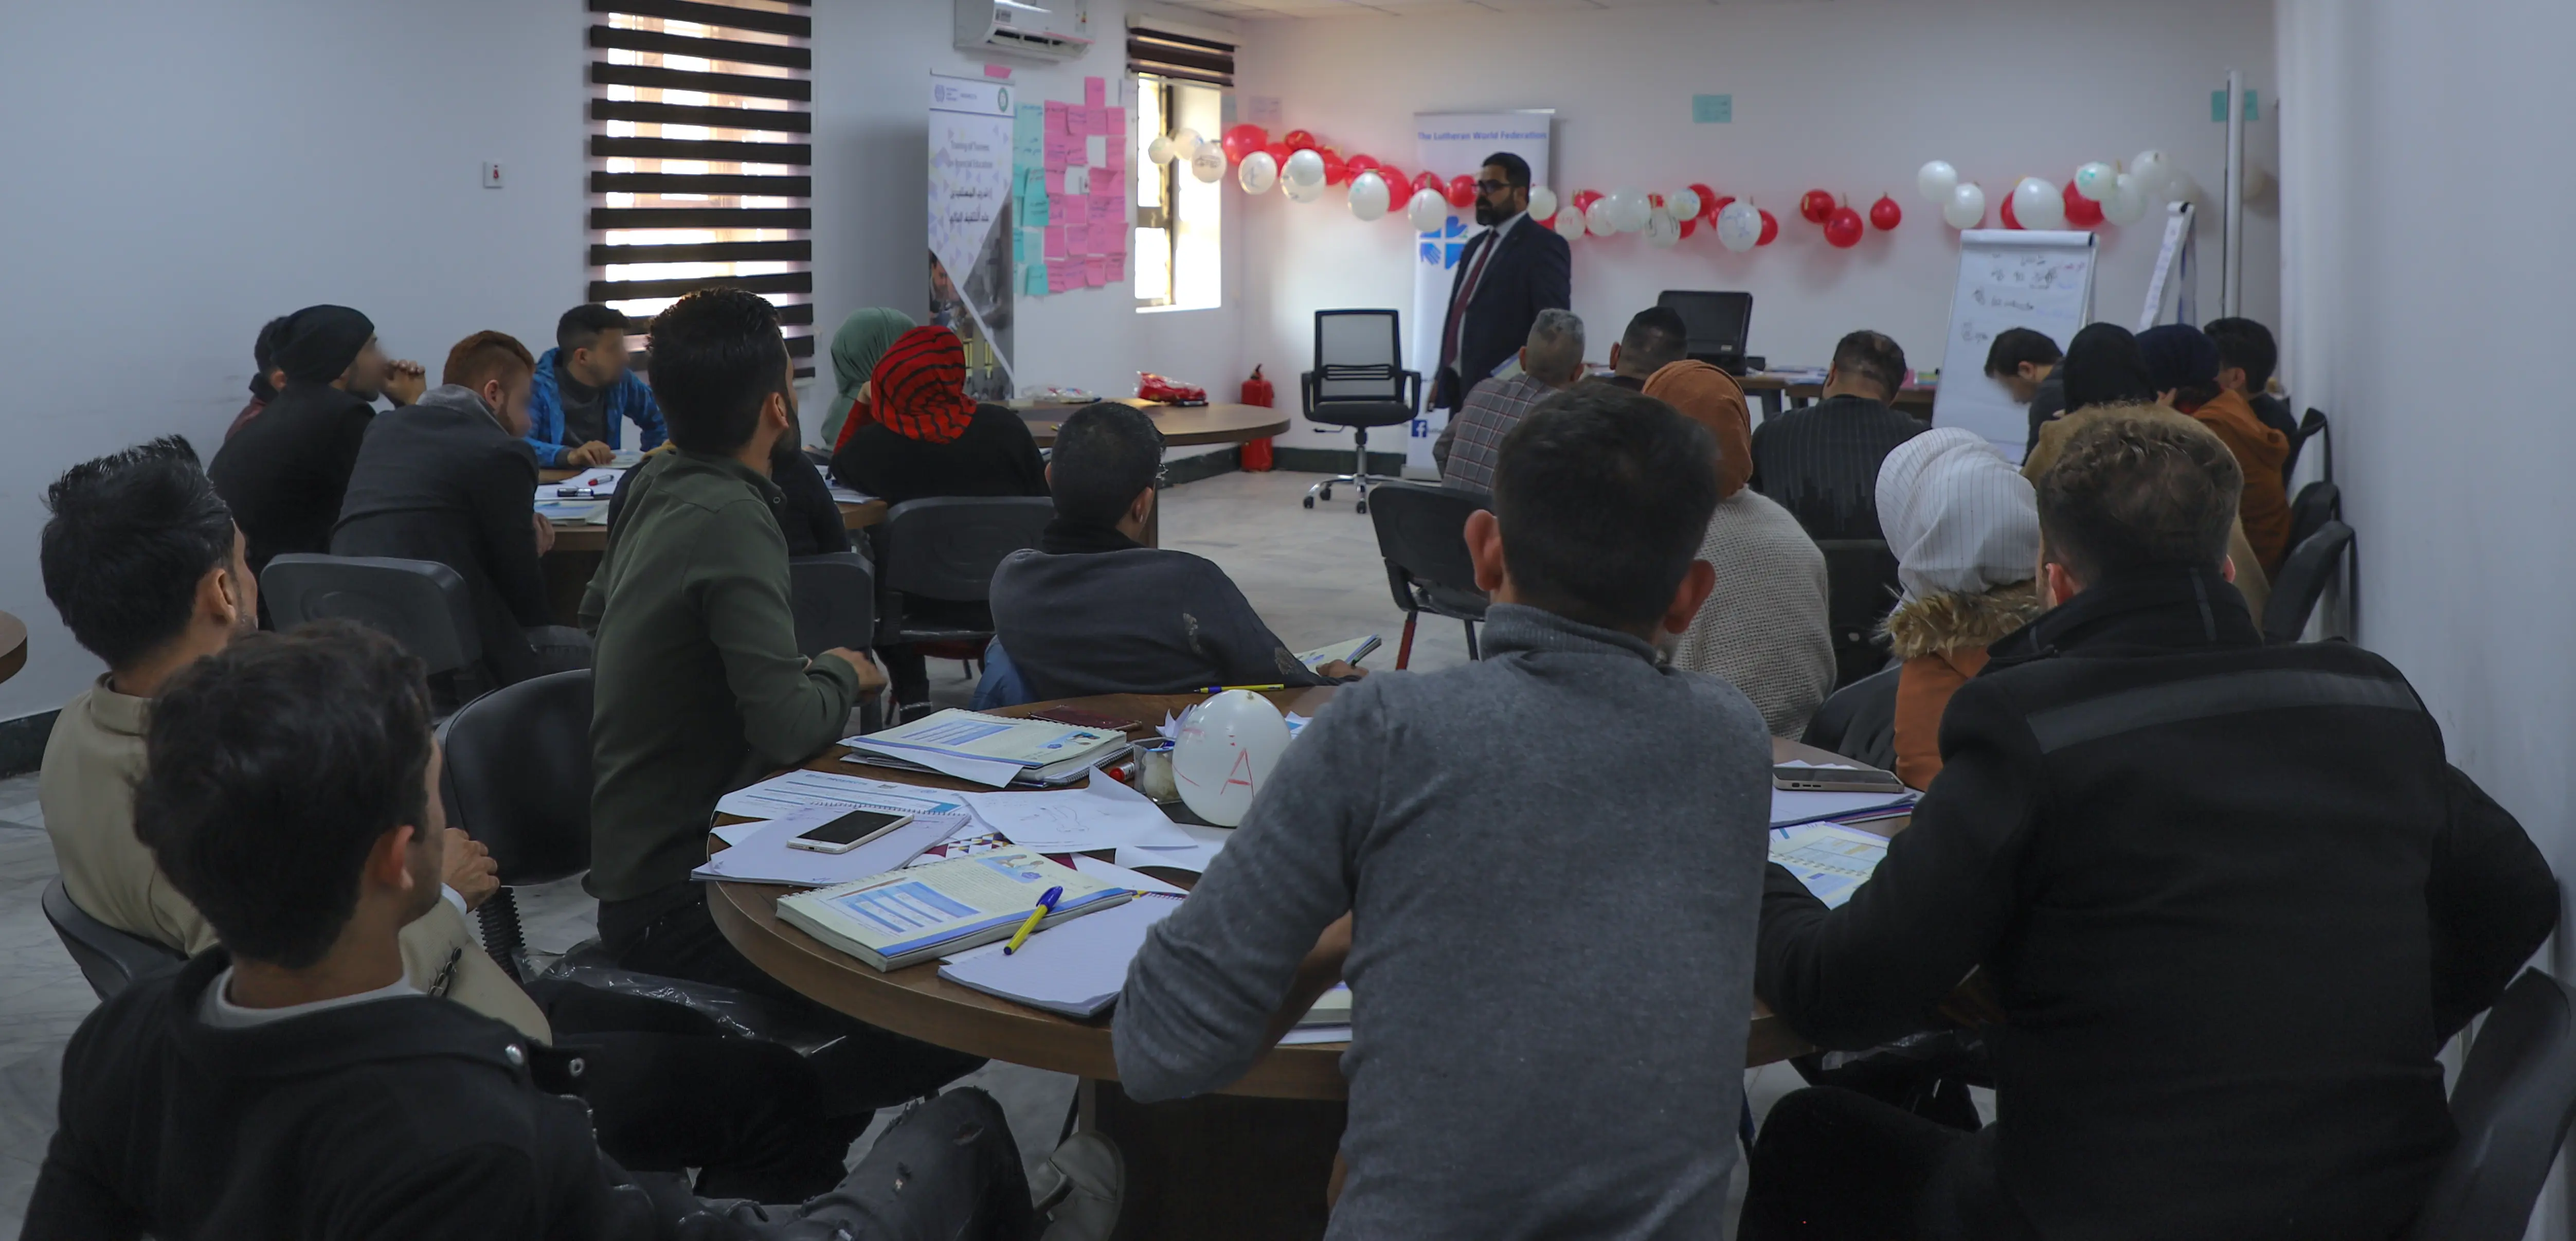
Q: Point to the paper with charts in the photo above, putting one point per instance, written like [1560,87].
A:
[1832,860]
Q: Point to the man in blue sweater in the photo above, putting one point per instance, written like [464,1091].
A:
[583,391]
[1539,871]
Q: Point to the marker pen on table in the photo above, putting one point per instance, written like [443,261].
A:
[1046,905]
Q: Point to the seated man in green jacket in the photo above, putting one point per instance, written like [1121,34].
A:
[700,689]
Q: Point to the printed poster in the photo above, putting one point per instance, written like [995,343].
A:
[971,227]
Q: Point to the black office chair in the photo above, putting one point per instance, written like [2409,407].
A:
[1421,531]
[2317,503]
[835,598]
[2304,576]
[2310,427]
[422,604]
[943,551]
[1860,590]
[2512,1105]
[1859,720]
[109,958]
[1359,381]
[517,779]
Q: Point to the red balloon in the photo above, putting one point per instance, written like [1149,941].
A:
[1430,181]
[1843,228]
[1770,230]
[1361,163]
[1816,206]
[1279,153]
[1462,191]
[2081,212]
[1299,140]
[1717,205]
[1243,140]
[1689,225]
[1336,169]
[1397,189]
[2009,221]
[1583,200]
[1708,203]
[1885,215]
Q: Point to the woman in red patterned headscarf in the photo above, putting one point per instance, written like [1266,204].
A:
[919,435]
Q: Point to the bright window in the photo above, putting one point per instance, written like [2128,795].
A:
[1179,263]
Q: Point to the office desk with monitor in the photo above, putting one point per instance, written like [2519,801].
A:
[1250,1161]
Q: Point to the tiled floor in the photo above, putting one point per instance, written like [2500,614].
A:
[1315,576]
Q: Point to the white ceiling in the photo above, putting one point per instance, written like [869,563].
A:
[1263,9]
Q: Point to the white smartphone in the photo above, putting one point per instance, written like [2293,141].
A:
[848,832]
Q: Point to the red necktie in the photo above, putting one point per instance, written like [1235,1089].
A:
[1458,307]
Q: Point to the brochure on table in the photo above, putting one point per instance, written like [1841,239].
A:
[908,916]
[1831,859]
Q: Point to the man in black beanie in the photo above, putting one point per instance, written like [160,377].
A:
[283,471]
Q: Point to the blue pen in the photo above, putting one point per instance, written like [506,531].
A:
[1046,905]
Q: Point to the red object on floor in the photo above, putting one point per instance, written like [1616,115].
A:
[1256,453]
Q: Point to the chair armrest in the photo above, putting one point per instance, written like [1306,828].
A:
[1306,393]
[1413,390]
[1400,584]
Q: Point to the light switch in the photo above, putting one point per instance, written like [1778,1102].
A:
[491,176]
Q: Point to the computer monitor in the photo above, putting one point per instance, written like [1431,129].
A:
[1717,324]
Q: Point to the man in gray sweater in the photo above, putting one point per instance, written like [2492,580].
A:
[1539,872]
[1091,610]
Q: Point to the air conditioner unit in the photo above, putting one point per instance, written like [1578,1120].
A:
[1038,29]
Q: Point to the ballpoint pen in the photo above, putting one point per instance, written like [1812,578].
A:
[1046,905]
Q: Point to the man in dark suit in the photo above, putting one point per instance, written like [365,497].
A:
[1505,276]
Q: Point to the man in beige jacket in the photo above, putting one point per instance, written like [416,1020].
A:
[127,530]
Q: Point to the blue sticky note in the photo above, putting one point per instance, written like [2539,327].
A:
[1034,281]
[2218,106]
[1028,133]
[1038,214]
[1019,245]
[1712,109]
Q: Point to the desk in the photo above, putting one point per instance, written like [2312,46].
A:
[1915,399]
[579,549]
[1251,1161]
[1182,425]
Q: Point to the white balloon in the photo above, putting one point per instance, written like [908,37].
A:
[2258,182]
[1542,202]
[2153,169]
[2127,203]
[2182,189]
[1160,149]
[1569,224]
[2038,204]
[2097,180]
[1209,164]
[1186,143]
[1301,193]
[1935,181]
[1304,167]
[1601,217]
[1629,209]
[1257,173]
[1368,196]
[1427,212]
[1739,226]
[1662,230]
[1227,748]
[1684,204]
[1967,206]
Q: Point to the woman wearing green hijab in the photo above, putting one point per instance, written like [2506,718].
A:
[855,349]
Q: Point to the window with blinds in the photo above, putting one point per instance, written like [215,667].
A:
[701,146]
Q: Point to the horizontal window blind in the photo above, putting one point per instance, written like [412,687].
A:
[1180,57]
[701,156]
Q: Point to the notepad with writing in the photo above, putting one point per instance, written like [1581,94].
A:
[921,913]
[1076,969]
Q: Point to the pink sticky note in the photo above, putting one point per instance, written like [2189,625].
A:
[1077,239]
[1113,122]
[1095,91]
[1080,121]
[1095,271]
[997,71]
[1063,275]
[1055,241]
[1062,150]
[1107,209]
[1118,266]
[1055,116]
[1061,209]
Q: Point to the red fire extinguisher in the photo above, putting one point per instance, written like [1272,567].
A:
[1256,391]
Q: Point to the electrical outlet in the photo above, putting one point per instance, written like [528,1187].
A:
[491,176]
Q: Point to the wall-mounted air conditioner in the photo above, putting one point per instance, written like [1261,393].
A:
[1040,29]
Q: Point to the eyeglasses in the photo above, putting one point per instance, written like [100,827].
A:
[1488,187]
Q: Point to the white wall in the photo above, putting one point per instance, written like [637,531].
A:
[1851,97]
[182,171]
[2411,311]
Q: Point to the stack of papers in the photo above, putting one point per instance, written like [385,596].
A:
[1103,815]
[1352,651]
[909,916]
[1076,969]
[850,495]
[797,790]
[1832,860]
[762,855]
[596,484]
[990,749]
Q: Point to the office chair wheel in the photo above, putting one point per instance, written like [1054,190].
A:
[1363,508]
[1310,501]
[1328,491]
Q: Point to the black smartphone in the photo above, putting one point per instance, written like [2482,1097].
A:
[848,832]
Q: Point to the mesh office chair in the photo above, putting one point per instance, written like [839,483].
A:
[2318,503]
[1359,381]
[2310,427]
[422,604]
[109,958]
[945,550]
[2305,573]
[2513,1103]
[1421,532]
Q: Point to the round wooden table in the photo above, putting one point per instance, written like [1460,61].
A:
[1182,425]
[1250,1161]
[13,645]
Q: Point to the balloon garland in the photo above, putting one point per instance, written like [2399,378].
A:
[1302,167]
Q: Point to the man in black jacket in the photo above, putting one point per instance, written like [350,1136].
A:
[292,1083]
[1505,276]
[449,478]
[2231,897]
[283,472]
